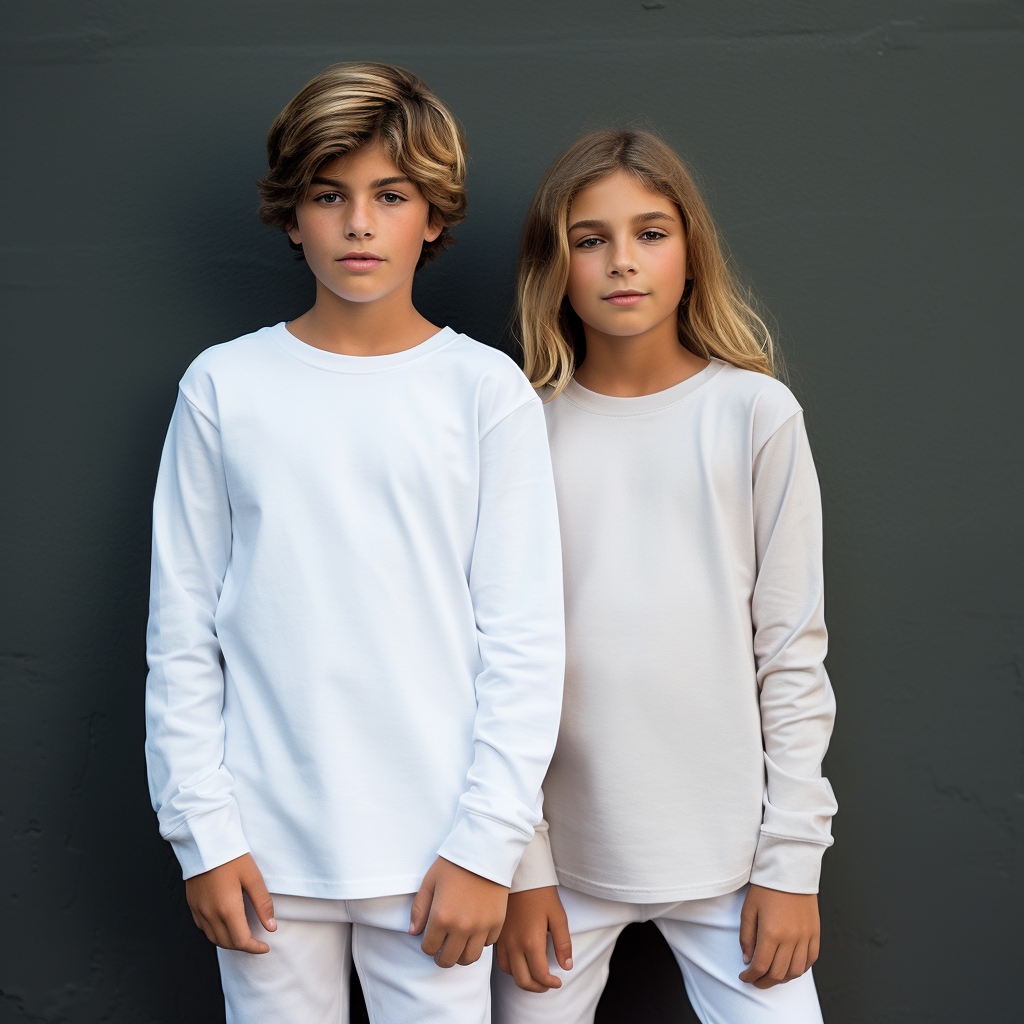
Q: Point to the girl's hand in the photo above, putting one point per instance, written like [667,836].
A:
[215,899]
[522,948]
[779,935]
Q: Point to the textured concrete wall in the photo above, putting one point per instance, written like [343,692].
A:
[863,161]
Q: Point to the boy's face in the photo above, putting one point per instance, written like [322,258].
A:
[362,225]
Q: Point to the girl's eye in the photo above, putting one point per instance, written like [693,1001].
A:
[652,236]
[588,243]
[392,198]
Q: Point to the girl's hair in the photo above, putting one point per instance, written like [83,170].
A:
[345,107]
[716,317]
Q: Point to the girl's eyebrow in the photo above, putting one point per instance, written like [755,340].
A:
[640,218]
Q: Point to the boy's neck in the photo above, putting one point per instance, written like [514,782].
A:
[642,364]
[381,327]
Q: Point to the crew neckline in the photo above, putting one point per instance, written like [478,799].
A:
[337,362]
[638,405]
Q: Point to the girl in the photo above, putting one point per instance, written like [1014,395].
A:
[686,785]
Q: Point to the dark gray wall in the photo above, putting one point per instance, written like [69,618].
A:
[863,161]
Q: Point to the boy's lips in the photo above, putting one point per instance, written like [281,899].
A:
[361,260]
[625,298]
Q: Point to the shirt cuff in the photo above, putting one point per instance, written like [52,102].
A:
[789,865]
[205,841]
[537,868]
[485,846]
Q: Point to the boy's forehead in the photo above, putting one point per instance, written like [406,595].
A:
[369,161]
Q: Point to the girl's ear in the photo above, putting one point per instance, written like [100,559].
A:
[435,225]
[293,232]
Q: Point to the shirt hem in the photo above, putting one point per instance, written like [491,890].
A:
[332,889]
[672,894]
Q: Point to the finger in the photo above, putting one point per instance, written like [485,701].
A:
[433,938]
[239,934]
[761,961]
[204,926]
[798,964]
[448,955]
[261,901]
[501,958]
[748,931]
[776,974]
[474,949]
[421,910]
[521,974]
[812,950]
[561,940]
[540,969]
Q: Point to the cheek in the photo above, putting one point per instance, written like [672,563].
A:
[581,281]
[669,267]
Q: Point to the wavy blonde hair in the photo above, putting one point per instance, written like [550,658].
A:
[349,105]
[716,316]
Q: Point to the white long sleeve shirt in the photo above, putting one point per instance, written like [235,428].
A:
[356,631]
[697,709]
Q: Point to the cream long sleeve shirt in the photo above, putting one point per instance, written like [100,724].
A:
[697,709]
[355,638]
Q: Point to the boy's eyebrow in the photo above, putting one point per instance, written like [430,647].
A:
[640,218]
[379,183]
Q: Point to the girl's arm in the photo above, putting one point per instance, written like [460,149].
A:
[780,921]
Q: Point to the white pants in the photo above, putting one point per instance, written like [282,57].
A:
[704,936]
[304,979]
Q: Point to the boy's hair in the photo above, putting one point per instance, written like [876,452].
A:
[345,107]
[715,316]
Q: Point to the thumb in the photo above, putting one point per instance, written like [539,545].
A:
[421,906]
[256,890]
[561,939]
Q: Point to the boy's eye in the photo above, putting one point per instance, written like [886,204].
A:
[328,198]
[392,198]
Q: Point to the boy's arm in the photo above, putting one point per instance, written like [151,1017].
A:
[780,933]
[516,584]
[190,787]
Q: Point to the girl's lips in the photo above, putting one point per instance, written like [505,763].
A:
[630,299]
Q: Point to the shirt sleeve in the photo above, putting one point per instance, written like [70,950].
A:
[537,867]
[790,642]
[190,787]
[516,585]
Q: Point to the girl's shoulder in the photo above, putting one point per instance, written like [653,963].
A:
[765,402]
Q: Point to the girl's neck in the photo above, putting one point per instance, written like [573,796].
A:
[643,364]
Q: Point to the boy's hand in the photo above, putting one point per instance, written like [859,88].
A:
[462,913]
[215,899]
[522,949]
[779,935]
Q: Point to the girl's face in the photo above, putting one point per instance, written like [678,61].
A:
[627,257]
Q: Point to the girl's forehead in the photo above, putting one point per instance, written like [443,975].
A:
[619,194]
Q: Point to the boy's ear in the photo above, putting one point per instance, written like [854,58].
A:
[435,225]
[293,232]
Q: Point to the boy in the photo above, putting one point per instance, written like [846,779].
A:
[355,638]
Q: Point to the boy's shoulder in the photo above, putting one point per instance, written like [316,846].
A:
[228,356]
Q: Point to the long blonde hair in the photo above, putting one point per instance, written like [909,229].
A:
[716,317]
